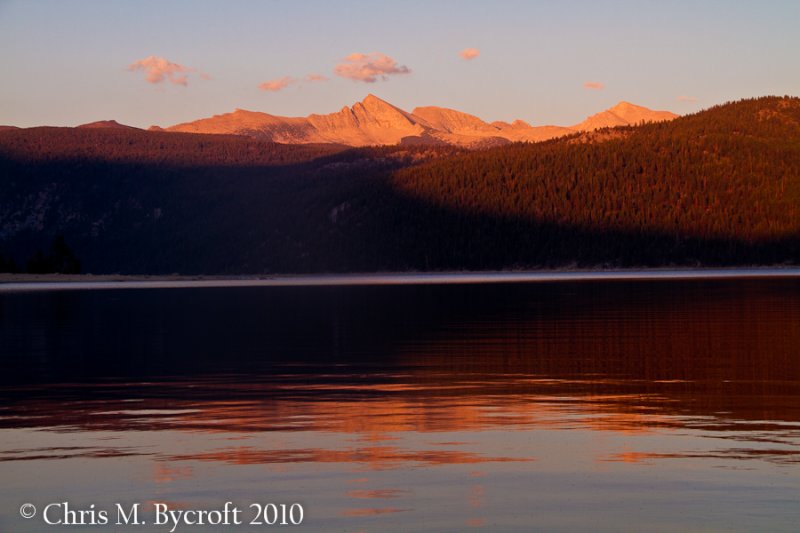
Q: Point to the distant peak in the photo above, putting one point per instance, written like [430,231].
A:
[626,105]
[106,124]
[623,114]
[372,101]
[372,98]
[376,121]
[377,107]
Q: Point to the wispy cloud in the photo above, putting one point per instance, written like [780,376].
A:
[469,53]
[369,68]
[594,85]
[684,98]
[157,69]
[277,84]
[280,84]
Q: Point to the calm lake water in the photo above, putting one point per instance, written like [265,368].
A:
[660,405]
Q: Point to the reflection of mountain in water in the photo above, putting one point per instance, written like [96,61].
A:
[374,360]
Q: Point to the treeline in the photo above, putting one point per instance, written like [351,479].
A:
[60,260]
[151,147]
[203,204]
[721,187]
[732,172]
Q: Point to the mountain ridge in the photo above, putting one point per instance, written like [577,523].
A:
[717,187]
[104,124]
[374,121]
[622,114]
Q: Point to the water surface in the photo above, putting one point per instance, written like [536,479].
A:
[580,404]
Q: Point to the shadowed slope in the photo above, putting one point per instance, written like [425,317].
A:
[113,124]
[721,187]
[732,172]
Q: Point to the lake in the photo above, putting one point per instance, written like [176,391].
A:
[568,404]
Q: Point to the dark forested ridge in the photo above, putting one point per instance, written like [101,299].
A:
[131,145]
[730,172]
[721,187]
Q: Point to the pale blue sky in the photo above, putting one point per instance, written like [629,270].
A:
[64,61]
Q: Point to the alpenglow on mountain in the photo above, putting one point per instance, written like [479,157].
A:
[376,122]
[720,187]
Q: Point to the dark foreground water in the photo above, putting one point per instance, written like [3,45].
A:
[576,405]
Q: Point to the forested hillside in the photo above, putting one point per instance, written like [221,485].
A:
[721,187]
[718,187]
[730,172]
[131,145]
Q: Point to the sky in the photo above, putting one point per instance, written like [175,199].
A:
[68,62]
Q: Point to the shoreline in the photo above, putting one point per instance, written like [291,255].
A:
[49,282]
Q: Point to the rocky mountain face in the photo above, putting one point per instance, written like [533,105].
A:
[623,114]
[376,122]
[715,188]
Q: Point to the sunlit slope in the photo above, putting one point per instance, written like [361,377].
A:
[731,172]
[721,187]
[373,122]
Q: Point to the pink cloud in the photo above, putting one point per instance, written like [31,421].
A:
[683,98]
[369,67]
[280,84]
[277,84]
[469,53]
[594,85]
[157,69]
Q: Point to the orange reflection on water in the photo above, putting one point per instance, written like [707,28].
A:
[473,409]
[372,511]
[372,458]
[375,494]
[775,455]
[164,473]
[743,412]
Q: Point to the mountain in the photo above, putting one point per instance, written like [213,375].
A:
[623,114]
[719,187]
[694,188]
[370,122]
[376,122]
[456,127]
[105,124]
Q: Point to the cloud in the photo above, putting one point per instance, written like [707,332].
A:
[469,53]
[683,98]
[594,85]
[369,68]
[157,69]
[277,84]
[280,84]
